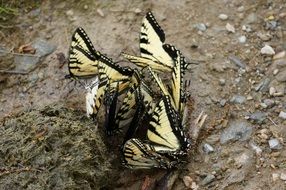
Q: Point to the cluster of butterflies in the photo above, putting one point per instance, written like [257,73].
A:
[159,117]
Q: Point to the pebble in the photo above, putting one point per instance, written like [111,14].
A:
[263,85]
[230,28]
[223,17]
[100,12]
[187,181]
[281,76]
[69,13]
[272,91]
[85,7]
[137,11]
[280,62]
[274,144]
[242,39]
[238,99]
[201,27]
[263,36]
[240,9]
[234,59]
[279,55]
[275,177]
[208,179]
[222,102]
[271,25]
[236,130]
[222,82]
[251,18]
[269,103]
[256,148]
[208,148]
[283,176]
[282,115]
[246,28]
[258,117]
[275,71]
[267,50]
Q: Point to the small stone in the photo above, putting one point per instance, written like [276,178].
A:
[230,28]
[280,62]
[222,82]
[100,12]
[236,130]
[187,181]
[237,99]
[85,7]
[282,115]
[208,148]
[223,17]
[69,13]
[272,91]
[267,50]
[242,39]
[194,186]
[275,71]
[281,76]
[263,36]
[258,117]
[274,144]
[269,103]
[246,28]
[137,11]
[240,9]
[222,102]
[234,59]
[256,148]
[279,55]
[283,176]
[275,177]
[208,179]
[201,27]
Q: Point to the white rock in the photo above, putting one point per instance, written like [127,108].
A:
[69,13]
[275,176]
[274,144]
[230,28]
[208,148]
[279,55]
[283,176]
[275,71]
[223,17]
[282,115]
[137,11]
[100,12]
[187,181]
[194,186]
[242,39]
[272,91]
[267,50]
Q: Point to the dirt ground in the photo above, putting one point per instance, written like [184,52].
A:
[238,81]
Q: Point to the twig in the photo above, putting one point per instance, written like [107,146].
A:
[20,54]
[272,121]
[14,72]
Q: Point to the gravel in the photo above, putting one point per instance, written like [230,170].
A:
[274,144]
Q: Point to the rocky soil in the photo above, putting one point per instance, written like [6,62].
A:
[239,81]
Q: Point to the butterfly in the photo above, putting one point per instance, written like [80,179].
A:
[140,155]
[83,58]
[165,131]
[154,52]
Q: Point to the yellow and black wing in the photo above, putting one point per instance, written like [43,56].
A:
[139,155]
[154,53]
[83,58]
[165,129]
[178,91]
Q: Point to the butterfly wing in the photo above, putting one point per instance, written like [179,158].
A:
[164,130]
[83,58]
[139,155]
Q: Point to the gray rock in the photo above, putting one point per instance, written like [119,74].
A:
[269,103]
[258,117]
[237,61]
[238,99]
[222,102]
[263,86]
[236,130]
[208,148]
[281,76]
[250,19]
[42,47]
[282,115]
[271,25]
[201,27]
[25,63]
[208,179]
[242,39]
[274,144]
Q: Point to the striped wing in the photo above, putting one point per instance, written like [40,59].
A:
[139,155]
[164,130]
[154,53]
[83,58]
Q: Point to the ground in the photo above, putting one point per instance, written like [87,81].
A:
[240,88]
